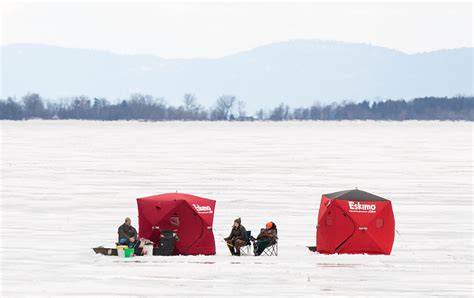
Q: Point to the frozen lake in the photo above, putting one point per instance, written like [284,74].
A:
[67,185]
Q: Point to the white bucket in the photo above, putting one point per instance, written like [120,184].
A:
[148,250]
[120,253]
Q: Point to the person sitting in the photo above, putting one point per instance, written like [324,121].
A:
[266,238]
[237,238]
[127,235]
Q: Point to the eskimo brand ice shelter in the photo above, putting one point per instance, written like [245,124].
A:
[189,216]
[355,221]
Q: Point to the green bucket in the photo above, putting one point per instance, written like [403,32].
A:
[128,252]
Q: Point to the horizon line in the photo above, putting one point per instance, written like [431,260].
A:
[117,53]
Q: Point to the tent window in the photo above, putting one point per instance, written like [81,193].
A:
[379,223]
[174,220]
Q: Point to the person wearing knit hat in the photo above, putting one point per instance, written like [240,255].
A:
[237,237]
[267,237]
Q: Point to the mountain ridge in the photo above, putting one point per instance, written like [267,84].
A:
[296,72]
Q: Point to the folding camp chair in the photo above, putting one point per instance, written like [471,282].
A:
[246,250]
[271,250]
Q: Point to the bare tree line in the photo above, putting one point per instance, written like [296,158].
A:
[228,108]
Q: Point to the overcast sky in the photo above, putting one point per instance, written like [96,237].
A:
[185,30]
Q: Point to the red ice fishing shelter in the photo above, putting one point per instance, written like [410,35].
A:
[189,216]
[355,221]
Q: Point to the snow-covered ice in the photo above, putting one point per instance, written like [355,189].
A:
[67,185]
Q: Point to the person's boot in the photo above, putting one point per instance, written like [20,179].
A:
[232,251]
[237,252]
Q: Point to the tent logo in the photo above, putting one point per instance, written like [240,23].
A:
[202,209]
[362,208]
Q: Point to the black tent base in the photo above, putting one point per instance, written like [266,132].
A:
[312,248]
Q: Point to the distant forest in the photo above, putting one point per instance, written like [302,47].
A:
[228,108]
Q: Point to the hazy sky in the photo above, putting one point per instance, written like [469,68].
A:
[206,29]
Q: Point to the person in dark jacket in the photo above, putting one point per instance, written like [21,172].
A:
[237,237]
[127,235]
[266,238]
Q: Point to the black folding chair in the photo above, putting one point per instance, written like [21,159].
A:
[271,250]
[246,250]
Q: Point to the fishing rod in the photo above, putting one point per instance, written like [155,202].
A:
[103,245]
[223,239]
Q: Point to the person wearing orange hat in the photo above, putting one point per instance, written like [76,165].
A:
[267,237]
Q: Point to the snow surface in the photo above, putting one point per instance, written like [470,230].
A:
[67,185]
